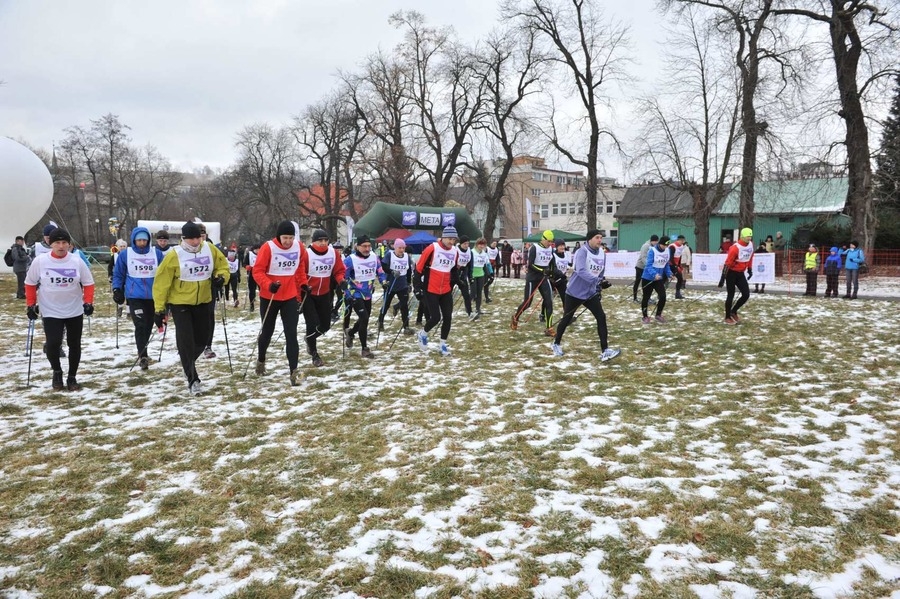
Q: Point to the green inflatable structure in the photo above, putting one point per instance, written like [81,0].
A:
[383,216]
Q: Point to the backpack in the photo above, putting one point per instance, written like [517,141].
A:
[8,258]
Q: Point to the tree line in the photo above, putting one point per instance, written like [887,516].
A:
[749,87]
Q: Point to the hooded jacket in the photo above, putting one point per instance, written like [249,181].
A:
[168,288]
[833,262]
[136,287]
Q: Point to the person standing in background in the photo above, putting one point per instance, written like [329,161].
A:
[21,262]
[853,257]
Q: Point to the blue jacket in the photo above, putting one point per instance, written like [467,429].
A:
[651,271]
[135,288]
[853,258]
[833,261]
[364,290]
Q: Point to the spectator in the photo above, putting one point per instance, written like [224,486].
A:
[506,251]
[517,260]
[852,259]
[21,262]
[811,268]
[832,272]
[761,287]
[780,245]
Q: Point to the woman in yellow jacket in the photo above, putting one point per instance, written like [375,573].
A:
[185,280]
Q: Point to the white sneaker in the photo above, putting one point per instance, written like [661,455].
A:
[609,353]
[423,339]
[196,388]
[445,351]
[557,350]
[209,353]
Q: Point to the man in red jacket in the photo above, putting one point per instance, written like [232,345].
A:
[433,282]
[280,272]
[325,270]
[738,261]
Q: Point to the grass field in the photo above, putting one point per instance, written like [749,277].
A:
[706,461]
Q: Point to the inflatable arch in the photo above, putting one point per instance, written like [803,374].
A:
[383,216]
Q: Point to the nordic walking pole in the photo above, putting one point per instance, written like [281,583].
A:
[117,327]
[29,344]
[258,335]
[383,311]
[146,345]
[28,337]
[527,302]
[225,329]
[161,345]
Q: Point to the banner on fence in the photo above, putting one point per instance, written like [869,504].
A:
[620,265]
[707,268]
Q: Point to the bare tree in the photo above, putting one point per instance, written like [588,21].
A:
[862,37]
[108,138]
[267,169]
[144,179]
[384,109]
[690,137]
[511,70]
[580,42]
[446,92]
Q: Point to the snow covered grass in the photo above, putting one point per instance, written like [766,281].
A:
[706,461]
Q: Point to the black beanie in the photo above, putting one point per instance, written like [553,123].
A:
[654,238]
[591,234]
[319,234]
[285,227]
[162,234]
[463,239]
[59,235]
[665,240]
[363,239]
[190,231]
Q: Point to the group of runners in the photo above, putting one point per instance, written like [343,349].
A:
[183,283]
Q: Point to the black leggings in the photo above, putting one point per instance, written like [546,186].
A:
[211,320]
[251,286]
[479,288]
[142,316]
[638,280]
[191,334]
[53,330]
[546,299]
[317,314]
[289,319]
[233,285]
[593,304]
[659,286]
[440,309]
[362,308]
[402,298]
[466,293]
[735,279]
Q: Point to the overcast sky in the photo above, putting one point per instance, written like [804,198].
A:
[186,75]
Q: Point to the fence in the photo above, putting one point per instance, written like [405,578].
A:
[882,263]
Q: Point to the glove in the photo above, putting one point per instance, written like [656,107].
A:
[749,273]
[722,280]
[159,319]
[490,280]
[384,286]
[218,282]
[274,286]
[343,286]
[248,268]
[119,296]
[417,291]
[32,312]
[88,309]
[306,289]
[604,284]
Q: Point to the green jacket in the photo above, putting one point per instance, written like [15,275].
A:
[168,288]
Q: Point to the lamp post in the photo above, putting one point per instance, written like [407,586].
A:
[97,222]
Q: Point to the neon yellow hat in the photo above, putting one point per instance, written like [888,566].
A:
[746,232]
[548,235]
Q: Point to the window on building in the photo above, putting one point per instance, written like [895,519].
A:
[545,210]
[609,208]
[555,209]
[580,208]
[536,176]
[562,209]
[572,208]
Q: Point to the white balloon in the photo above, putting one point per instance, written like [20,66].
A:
[26,190]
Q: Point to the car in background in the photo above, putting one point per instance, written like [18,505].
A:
[98,253]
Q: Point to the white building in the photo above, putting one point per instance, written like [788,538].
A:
[565,211]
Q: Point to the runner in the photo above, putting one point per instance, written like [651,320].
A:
[541,269]
[326,272]
[363,269]
[738,261]
[434,278]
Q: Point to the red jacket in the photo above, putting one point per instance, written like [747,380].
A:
[438,281]
[322,285]
[290,284]
[731,260]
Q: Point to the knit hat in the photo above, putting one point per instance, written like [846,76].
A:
[591,234]
[337,245]
[319,234]
[463,239]
[682,236]
[58,234]
[399,243]
[142,235]
[285,227]
[190,231]
[48,229]
[450,232]
[363,239]
[654,238]
[548,235]
[120,243]
[746,232]
[559,242]
[664,240]
[162,234]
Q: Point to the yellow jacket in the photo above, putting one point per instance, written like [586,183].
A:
[168,288]
[811,262]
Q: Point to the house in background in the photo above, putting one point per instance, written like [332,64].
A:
[566,211]
[792,206]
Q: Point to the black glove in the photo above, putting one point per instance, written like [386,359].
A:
[749,273]
[417,291]
[218,282]
[344,285]
[32,312]
[384,286]
[88,309]
[274,286]
[119,296]
[604,284]
[490,280]
[306,289]
[158,319]
[722,279]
